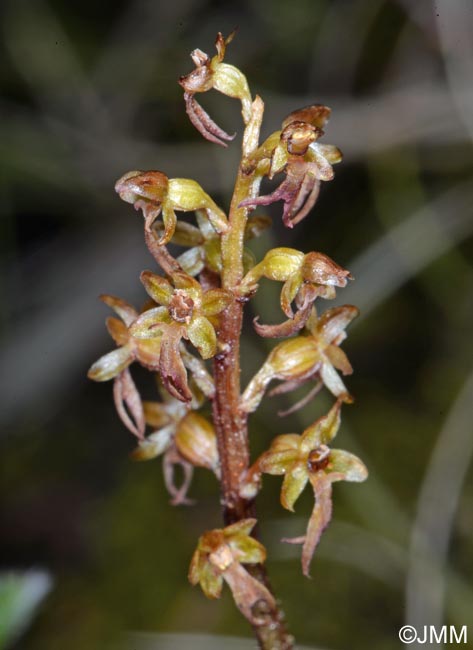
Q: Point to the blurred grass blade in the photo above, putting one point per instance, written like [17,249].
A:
[20,597]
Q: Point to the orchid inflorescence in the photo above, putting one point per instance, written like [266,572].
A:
[192,315]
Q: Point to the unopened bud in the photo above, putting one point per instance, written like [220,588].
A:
[320,269]
[196,441]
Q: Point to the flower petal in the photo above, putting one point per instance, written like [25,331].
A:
[323,430]
[215,301]
[148,324]
[332,380]
[319,520]
[187,195]
[347,465]
[153,445]
[117,330]
[247,550]
[202,335]
[111,364]
[126,312]
[128,404]
[338,359]
[157,287]
[192,261]
[294,483]
[334,322]
[278,462]
[156,414]
[171,366]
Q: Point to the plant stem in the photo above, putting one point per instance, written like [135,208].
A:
[230,422]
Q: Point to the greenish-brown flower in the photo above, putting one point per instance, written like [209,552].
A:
[308,458]
[219,557]
[154,193]
[185,311]
[316,354]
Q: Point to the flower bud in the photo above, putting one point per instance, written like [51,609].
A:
[294,358]
[135,185]
[196,441]
[320,269]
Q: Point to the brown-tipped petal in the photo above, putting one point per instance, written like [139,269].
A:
[126,312]
[317,115]
[204,123]
[157,287]
[319,520]
[178,493]
[128,404]
[111,364]
[117,330]
[171,366]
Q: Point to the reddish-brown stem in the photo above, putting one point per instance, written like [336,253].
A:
[229,420]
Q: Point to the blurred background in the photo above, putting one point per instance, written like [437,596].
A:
[91,550]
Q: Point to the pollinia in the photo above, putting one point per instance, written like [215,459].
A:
[195,313]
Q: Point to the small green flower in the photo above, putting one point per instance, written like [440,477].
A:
[296,151]
[213,73]
[308,458]
[303,358]
[154,193]
[305,277]
[185,311]
[219,557]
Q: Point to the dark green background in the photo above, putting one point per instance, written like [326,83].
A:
[89,92]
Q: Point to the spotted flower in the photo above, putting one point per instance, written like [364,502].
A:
[214,73]
[185,311]
[154,193]
[296,151]
[220,556]
[307,458]
[302,358]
